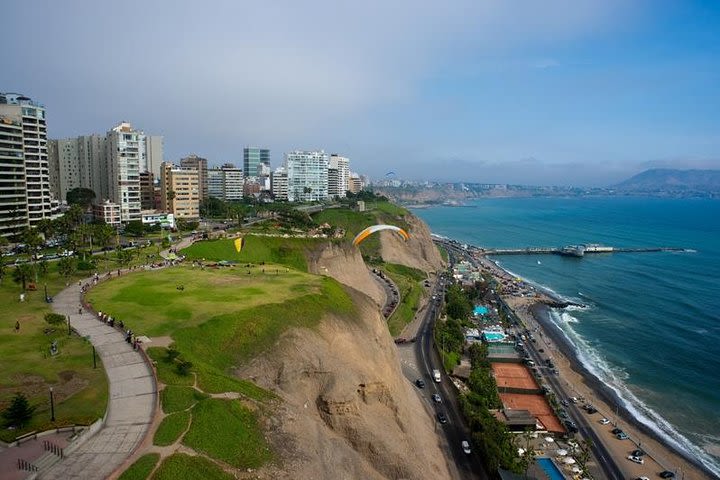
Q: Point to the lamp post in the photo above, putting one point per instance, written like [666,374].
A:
[52,406]
[68,322]
[94,358]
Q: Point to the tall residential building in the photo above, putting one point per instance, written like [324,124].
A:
[153,154]
[180,191]
[77,162]
[31,183]
[122,163]
[338,176]
[279,184]
[147,191]
[216,183]
[356,183]
[307,175]
[233,182]
[199,164]
[253,158]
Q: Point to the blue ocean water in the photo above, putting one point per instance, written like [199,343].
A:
[652,326]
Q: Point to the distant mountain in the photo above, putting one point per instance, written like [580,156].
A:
[672,181]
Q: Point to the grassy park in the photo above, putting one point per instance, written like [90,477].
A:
[79,390]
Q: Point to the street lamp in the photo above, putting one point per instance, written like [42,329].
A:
[52,406]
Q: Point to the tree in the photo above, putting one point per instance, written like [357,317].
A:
[46,227]
[23,273]
[67,266]
[80,196]
[19,412]
[135,228]
[124,257]
[3,268]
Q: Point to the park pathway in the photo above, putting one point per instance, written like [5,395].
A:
[131,403]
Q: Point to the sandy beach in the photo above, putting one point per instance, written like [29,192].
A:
[532,309]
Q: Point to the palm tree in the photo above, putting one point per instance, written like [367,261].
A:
[33,242]
[3,268]
[46,227]
[23,273]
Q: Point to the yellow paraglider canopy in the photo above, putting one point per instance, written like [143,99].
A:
[376,228]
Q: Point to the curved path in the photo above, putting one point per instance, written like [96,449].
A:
[131,403]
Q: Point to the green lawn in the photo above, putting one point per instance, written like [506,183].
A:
[180,466]
[79,391]
[171,428]
[176,398]
[166,371]
[288,252]
[227,431]
[141,468]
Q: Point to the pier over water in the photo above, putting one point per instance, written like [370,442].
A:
[575,250]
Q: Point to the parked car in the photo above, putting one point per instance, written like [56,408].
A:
[622,436]
[420,383]
[637,453]
[590,409]
[635,459]
[666,474]
[616,431]
[604,421]
[466,446]
[564,403]
[642,478]
[442,418]
[571,426]
[436,398]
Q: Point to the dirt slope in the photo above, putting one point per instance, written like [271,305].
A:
[347,410]
[418,252]
[345,264]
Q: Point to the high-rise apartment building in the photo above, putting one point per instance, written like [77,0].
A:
[25,164]
[180,191]
[147,191]
[199,164]
[77,162]
[253,158]
[356,183]
[233,182]
[279,184]
[307,173]
[338,176]
[153,150]
[122,163]
[216,183]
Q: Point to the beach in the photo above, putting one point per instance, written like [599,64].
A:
[533,307]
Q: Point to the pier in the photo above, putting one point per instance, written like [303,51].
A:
[574,250]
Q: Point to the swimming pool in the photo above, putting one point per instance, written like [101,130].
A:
[491,336]
[479,310]
[550,468]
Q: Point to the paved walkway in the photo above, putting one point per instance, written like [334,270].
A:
[131,403]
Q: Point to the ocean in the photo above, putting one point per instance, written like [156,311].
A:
[651,328]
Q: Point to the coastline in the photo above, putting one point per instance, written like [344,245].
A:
[535,312]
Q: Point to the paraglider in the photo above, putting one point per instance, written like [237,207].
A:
[376,228]
[390,174]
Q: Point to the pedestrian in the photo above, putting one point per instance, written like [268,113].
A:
[17,326]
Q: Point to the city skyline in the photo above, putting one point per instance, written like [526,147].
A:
[587,93]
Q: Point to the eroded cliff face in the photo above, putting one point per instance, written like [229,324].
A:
[418,252]
[347,412]
[344,263]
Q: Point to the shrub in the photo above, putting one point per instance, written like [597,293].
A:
[184,367]
[54,318]
[19,412]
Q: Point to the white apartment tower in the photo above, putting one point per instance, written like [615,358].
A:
[233,182]
[279,184]
[338,176]
[122,162]
[307,173]
[23,154]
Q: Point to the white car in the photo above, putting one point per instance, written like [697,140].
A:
[604,421]
[635,459]
[466,446]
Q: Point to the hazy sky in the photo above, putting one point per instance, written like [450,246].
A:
[583,92]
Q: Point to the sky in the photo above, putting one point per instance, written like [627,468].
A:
[556,92]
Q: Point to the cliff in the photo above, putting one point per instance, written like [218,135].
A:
[347,410]
[418,252]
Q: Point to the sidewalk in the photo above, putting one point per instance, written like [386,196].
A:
[131,404]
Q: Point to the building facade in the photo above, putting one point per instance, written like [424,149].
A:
[216,183]
[355,183]
[307,173]
[180,191]
[20,111]
[233,182]
[122,163]
[279,184]
[108,212]
[253,159]
[199,164]
[147,191]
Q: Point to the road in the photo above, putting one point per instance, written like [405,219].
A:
[426,359]
[600,453]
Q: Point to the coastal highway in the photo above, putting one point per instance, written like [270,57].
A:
[456,430]
[601,454]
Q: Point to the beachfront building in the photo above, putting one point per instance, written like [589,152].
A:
[355,183]
[25,198]
[307,173]
[338,176]
[199,164]
[279,184]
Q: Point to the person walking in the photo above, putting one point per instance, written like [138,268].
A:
[17,326]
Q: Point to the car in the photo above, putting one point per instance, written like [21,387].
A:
[541,350]
[571,426]
[637,453]
[420,383]
[436,398]
[642,478]
[466,446]
[604,421]
[616,431]
[590,409]
[666,474]
[622,436]
[563,414]
[442,418]
[565,403]
[635,459]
